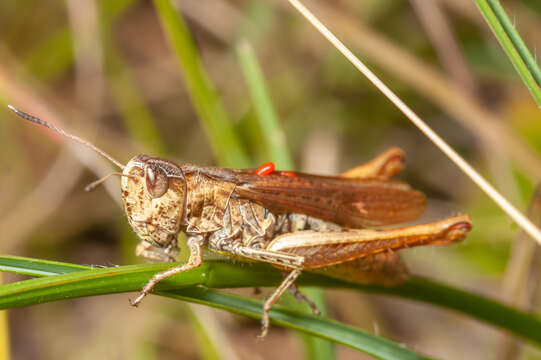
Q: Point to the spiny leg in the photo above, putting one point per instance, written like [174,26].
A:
[195,260]
[271,257]
[288,281]
[301,297]
[281,259]
[385,166]
[320,249]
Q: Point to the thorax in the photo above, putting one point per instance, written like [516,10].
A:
[213,210]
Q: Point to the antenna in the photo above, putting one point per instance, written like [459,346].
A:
[93,185]
[62,132]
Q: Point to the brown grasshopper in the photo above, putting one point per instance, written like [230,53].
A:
[294,221]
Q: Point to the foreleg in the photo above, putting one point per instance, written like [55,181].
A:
[196,258]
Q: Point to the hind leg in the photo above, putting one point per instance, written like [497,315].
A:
[301,297]
[384,166]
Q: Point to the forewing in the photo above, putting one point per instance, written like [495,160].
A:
[353,203]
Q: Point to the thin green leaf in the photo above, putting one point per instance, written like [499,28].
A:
[517,41]
[376,346]
[54,55]
[513,45]
[4,333]
[316,348]
[130,278]
[219,129]
[136,115]
[217,274]
[37,267]
[208,348]
[51,57]
[128,99]
[272,136]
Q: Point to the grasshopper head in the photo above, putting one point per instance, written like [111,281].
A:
[154,195]
[153,190]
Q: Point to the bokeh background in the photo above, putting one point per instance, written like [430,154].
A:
[105,70]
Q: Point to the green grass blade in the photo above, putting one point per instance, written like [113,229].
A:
[227,147]
[217,274]
[517,41]
[271,132]
[316,348]
[52,57]
[209,351]
[376,346]
[35,267]
[111,10]
[88,281]
[523,324]
[4,333]
[136,115]
[513,45]
[130,278]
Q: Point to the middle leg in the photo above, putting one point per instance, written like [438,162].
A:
[288,281]
[282,260]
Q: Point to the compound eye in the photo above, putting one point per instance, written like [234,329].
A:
[157,181]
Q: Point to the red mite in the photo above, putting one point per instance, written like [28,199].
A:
[269,167]
[265,169]
[288,173]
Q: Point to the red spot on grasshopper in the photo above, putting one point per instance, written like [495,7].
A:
[268,169]
[265,169]
[290,174]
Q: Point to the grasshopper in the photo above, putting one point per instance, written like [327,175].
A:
[294,221]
